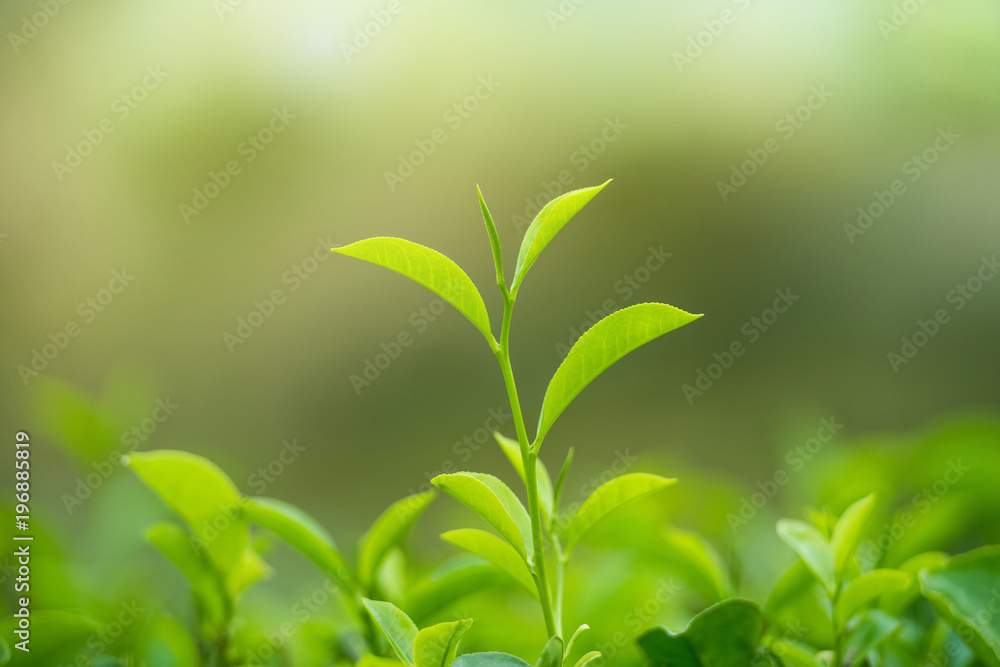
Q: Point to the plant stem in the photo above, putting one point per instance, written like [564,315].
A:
[528,460]
[561,561]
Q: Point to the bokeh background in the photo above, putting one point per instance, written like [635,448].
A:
[894,76]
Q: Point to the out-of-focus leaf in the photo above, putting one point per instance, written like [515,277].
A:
[588,658]
[966,592]
[369,660]
[512,450]
[164,642]
[428,267]
[696,561]
[812,548]
[848,532]
[866,588]
[552,653]
[609,497]
[494,550]
[304,533]
[489,659]
[387,531]
[72,418]
[56,637]
[205,580]
[397,626]
[249,569]
[602,345]
[491,499]
[454,579]
[873,628]
[897,602]
[724,635]
[799,601]
[436,646]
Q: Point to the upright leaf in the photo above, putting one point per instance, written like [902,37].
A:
[479,493]
[491,230]
[397,626]
[965,591]
[512,450]
[206,583]
[428,267]
[848,532]
[609,497]
[724,635]
[387,531]
[812,548]
[304,533]
[867,588]
[494,550]
[873,628]
[489,659]
[546,225]
[602,345]
[436,646]
[552,653]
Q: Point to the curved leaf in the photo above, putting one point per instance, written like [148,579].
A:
[865,589]
[609,497]
[397,626]
[304,533]
[546,225]
[436,646]
[572,640]
[164,642]
[491,231]
[512,450]
[387,531]
[491,499]
[206,583]
[588,658]
[552,653]
[428,267]
[874,627]
[489,659]
[696,561]
[724,635]
[602,345]
[496,551]
[812,548]
[202,494]
[848,532]
[965,591]
[454,579]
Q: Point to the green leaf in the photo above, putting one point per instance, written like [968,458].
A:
[489,659]
[249,569]
[793,654]
[865,589]
[724,635]
[552,653]
[369,660]
[431,269]
[873,628]
[812,548]
[572,640]
[602,345]
[56,637]
[696,561]
[387,531]
[512,450]
[965,591]
[546,225]
[588,658]
[164,642]
[491,499]
[304,533]
[4,652]
[203,495]
[206,582]
[457,577]
[496,551]
[896,603]
[848,532]
[396,625]
[436,646]
[491,230]
[609,497]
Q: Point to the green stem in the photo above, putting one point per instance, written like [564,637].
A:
[561,561]
[528,460]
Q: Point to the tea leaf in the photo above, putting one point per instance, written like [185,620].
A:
[387,531]
[865,589]
[494,550]
[512,450]
[588,658]
[609,497]
[848,532]
[602,345]
[697,561]
[249,569]
[491,230]
[302,532]
[397,626]
[57,637]
[572,640]
[174,543]
[725,634]
[503,511]
[961,590]
[489,659]
[436,646]
[429,268]
[812,548]
[369,660]
[874,628]
[459,576]
[546,225]
[165,642]
[552,653]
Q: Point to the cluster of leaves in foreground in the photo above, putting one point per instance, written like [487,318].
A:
[830,609]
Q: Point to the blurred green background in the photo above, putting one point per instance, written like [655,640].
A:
[560,74]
